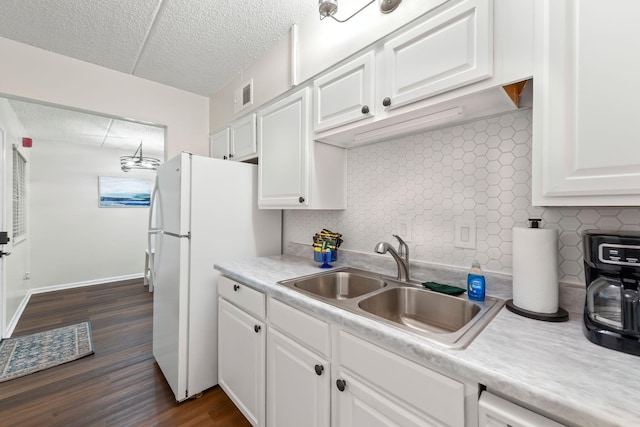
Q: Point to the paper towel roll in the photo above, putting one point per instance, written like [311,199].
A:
[535,269]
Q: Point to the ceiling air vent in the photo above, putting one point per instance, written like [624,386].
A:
[243,96]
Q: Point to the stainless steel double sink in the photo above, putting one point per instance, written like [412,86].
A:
[447,320]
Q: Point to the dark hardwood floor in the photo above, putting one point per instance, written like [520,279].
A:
[119,385]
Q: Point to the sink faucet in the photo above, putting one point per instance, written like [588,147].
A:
[401,256]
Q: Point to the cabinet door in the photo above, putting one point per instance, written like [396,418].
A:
[242,138]
[358,404]
[411,394]
[497,412]
[219,144]
[241,360]
[453,49]
[298,384]
[283,140]
[345,95]
[585,145]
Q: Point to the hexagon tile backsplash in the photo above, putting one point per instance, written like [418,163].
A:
[478,171]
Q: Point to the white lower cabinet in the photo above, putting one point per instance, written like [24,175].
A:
[360,405]
[497,412]
[242,351]
[298,384]
[295,369]
[298,368]
[375,387]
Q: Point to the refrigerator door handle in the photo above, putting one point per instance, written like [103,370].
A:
[152,259]
[152,207]
[151,231]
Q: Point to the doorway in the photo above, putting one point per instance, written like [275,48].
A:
[3,227]
[72,240]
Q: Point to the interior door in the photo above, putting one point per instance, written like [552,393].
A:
[3,227]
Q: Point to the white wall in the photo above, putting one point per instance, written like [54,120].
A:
[36,74]
[15,288]
[271,77]
[72,239]
[320,45]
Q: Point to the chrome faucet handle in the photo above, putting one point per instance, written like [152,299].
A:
[403,248]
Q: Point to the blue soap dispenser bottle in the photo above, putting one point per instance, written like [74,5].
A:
[476,283]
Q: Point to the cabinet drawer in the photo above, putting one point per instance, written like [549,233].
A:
[243,296]
[427,391]
[497,412]
[304,328]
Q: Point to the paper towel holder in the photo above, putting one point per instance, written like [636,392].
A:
[561,315]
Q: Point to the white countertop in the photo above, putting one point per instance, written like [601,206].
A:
[549,366]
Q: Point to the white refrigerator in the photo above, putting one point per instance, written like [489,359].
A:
[203,211]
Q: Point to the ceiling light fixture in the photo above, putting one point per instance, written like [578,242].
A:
[138,161]
[328,8]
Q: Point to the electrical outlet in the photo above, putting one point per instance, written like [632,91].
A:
[465,234]
[27,276]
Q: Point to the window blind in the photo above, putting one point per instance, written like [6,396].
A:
[19,195]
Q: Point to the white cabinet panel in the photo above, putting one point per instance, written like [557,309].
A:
[242,138]
[497,412]
[585,144]
[219,144]
[283,138]
[241,360]
[298,382]
[434,396]
[361,405]
[312,332]
[246,298]
[453,49]
[346,94]
[294,172]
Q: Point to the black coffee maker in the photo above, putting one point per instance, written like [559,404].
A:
[612,275]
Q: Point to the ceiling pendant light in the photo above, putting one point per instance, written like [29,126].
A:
[138,161]
[328,8]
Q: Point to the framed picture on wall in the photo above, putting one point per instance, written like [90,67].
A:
[123,192]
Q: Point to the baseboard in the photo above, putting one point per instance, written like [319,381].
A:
[23,304]
[16,316]
[85,283]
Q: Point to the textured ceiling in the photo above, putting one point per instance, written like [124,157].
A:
[195,45]
[44,123]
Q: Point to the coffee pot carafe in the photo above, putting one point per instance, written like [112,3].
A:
[612,278]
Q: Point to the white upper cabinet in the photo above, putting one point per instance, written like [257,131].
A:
[453,49]
[242,138]
[346,94]
[586,150]
[219,144]
[236,142]
[462,60]
[295,172]
[283,170]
